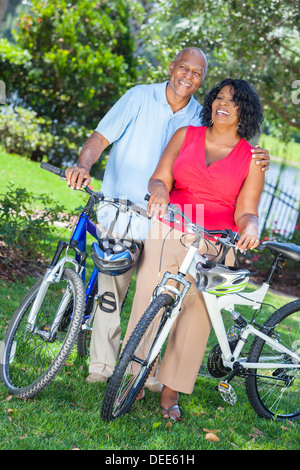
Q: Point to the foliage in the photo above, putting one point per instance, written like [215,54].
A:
[70,63]
[258,41]
[260,262]
[24,229]
[25,133]
[21,132]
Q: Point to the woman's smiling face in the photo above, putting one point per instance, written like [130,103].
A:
[224,109]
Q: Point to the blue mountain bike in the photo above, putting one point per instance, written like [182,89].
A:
[58,311]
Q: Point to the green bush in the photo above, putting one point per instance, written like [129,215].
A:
[259,263]
[26,222]
[25,133]
[71,60]
[21,132]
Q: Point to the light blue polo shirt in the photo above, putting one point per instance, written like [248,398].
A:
[140,125]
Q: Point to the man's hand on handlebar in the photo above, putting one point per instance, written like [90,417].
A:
[77,176]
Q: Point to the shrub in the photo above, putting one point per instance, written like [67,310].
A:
[26,221]
[25,133]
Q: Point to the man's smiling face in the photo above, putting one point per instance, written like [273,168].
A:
[187,73]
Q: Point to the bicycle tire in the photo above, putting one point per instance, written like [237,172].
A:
[274,394]
[120,396]
[84,335]
[28,361]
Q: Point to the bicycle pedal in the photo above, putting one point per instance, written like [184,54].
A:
[227,392]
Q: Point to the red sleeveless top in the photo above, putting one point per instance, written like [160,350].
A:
[207,195]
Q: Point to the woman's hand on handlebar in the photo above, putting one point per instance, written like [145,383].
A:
[158,201]
[248,240]
[77,176]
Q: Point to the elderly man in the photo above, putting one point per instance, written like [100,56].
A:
[140,124]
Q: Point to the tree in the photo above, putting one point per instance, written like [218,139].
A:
[258,40]
[70,62]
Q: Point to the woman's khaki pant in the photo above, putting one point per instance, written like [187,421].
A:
[188,338]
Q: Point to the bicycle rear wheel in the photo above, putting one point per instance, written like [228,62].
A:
[274,393]
[133,366]
[30,359]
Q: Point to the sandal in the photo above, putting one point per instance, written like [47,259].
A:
[167,415]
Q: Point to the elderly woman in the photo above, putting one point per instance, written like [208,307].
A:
[211,166]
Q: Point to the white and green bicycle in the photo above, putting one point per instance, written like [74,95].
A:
[272,366]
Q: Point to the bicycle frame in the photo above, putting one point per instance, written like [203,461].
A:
[54,272]
[214,306]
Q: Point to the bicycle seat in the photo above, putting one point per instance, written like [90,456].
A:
[287,250]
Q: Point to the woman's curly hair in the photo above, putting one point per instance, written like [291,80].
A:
[250,113]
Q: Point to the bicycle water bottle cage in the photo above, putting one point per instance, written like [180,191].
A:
[115,257]
[220,279]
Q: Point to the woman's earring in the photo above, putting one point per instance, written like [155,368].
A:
[211,123]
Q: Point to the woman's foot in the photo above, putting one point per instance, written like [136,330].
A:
[141,394]
[169,404]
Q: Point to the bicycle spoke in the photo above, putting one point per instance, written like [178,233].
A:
[274,392]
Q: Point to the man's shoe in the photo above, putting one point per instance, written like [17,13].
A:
[94,377]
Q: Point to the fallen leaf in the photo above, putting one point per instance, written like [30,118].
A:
[75,448]
[10,410]
[257,431]
[169,425]
[8,398]
[155,425]
[211,437]
[211,430]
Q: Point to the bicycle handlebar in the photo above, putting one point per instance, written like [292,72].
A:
[98,196]
[53,169]
[229,239]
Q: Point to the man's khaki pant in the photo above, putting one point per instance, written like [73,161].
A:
[106,333]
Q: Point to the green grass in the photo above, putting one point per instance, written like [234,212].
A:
[289,152]
[22,172]
[67,413]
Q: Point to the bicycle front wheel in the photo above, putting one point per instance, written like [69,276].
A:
[83,341]
[133,366]
[274,393]
[32,357]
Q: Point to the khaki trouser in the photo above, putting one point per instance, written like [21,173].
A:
[106,333]
[188,338]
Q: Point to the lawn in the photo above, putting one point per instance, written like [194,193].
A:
[66,414]
[289,152]
[23,172]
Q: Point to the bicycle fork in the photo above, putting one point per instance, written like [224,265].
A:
[52,275]
[174,308]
